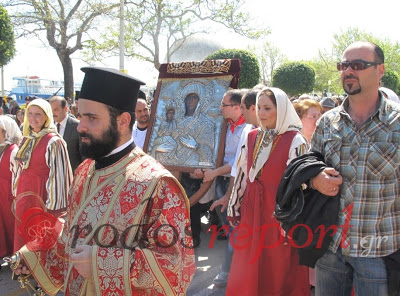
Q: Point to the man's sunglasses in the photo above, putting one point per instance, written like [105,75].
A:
[356,65]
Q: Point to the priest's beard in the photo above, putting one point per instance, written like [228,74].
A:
[98,148]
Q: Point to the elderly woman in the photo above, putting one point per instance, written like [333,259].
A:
[10,136]
[309,112]
[263,262]
[44,173]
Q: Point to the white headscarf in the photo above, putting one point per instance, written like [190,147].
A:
[286,120]
[391,95]
[13,134]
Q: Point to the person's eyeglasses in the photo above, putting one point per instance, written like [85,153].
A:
[356,65]
[313,116]
[228,105]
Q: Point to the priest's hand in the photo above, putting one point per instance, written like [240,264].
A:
[327,182]
[82,260]
[21,269]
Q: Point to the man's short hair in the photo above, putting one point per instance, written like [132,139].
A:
[379,56]
[249,98]
[235,96]
[62,101]
[115,112]
[142,100]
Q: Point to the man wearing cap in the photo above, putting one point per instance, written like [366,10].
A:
[327,104]
[127,231]
[29,99]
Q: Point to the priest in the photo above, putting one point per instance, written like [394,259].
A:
[127,231]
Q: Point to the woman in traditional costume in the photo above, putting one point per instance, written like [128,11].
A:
[264,263]
[44,173]
[10,136]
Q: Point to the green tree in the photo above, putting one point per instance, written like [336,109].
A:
[7,42]
[294,78]
[65,25]
[250,71]
[326,75]
[391,80]
[154,26]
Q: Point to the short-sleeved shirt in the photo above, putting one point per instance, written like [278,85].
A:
[232,140]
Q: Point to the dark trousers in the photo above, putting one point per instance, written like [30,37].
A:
[196,212]
[221,186]
[191,186]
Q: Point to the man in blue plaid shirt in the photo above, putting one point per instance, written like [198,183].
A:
[360,140]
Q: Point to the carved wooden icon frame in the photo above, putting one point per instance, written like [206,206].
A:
[186,128]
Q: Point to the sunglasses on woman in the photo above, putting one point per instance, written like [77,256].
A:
[356,65]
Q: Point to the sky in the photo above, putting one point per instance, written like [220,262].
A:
[298,28]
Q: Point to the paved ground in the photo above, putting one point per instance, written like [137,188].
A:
[208,261]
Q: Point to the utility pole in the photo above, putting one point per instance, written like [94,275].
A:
[2,82]
[121,37]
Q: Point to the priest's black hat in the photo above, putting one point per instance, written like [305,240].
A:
[110,87]
[77,94]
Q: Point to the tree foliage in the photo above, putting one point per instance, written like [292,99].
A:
[154,26]
[7,42]
[65,25]
[250,70]
[294,78]
[326,75]
[391,80]
[269,57]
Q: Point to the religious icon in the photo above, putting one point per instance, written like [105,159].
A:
[187,127]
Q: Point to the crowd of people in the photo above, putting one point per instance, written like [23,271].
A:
[131,228]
